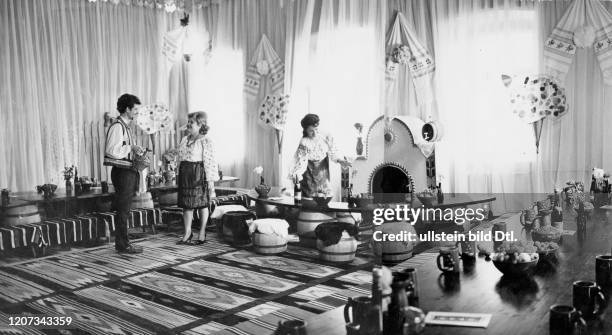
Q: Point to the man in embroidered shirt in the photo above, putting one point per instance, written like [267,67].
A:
[118,154]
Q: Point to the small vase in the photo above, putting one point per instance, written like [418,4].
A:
[262,190]
[68,186]
[359,147]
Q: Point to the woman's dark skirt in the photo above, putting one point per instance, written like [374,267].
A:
[193,190]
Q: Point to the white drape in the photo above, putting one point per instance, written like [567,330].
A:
[65,63]
[342,78]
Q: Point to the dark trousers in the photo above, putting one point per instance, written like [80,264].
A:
[124,181]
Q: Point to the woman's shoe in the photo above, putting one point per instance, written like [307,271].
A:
[188,241]
[200,242]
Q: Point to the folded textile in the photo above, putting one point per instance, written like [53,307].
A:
[270,226]
[330,233]
[560,47]
[420,63]
[265,63]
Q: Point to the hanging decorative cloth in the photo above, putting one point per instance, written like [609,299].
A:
[273,111]
[404,48]
[265,63]
[172,45]
[585,23]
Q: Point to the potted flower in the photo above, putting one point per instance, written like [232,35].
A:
[579,203]
[170,161]
[68,175]
[262,189]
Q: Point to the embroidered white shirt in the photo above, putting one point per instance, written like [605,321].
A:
[201,150]
[314,149]
[115,147]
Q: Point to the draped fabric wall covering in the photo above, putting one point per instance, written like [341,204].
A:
[65,62]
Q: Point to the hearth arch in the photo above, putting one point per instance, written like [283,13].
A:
[396,165]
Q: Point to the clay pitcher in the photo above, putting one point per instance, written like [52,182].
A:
[528,218]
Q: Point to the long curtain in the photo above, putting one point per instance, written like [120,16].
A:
[582,139]
[63,64]
[341,80]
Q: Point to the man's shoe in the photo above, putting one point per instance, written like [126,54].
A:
[131,249]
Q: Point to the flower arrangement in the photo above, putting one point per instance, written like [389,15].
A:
[68,173]
[579,201]
[262,189]
[401,54]
[359,127]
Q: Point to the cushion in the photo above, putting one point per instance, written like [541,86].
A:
[279,227]
[221,210]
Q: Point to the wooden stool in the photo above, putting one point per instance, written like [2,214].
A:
[269,243]
[236,228]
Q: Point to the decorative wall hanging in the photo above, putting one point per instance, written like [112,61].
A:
[585,23]
[404,48]
[535,98]
[265,65]
[273,113]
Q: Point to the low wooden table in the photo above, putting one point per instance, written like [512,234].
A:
[450,201]
[517,306]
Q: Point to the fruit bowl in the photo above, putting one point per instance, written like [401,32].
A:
[322,200]
[546,234]
[426,200]
[510,268]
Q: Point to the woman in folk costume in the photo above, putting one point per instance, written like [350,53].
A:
[197,173]
[311,166]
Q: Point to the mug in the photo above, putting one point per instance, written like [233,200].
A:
[359,308]
[588,298]
[603,273]
[468,252]
[104,187]
[409,276]
[450,260]
[564,320]
[449,281]
[528,216]
[291,327]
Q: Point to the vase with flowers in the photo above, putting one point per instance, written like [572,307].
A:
[262,189]
[68,175]
[170,161]
[580,203]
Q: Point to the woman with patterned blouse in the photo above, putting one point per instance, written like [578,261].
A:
[311,166]
[197,173]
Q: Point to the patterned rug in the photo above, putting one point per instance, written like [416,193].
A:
[206,289]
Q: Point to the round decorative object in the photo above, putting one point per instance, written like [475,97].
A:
[432,131]
[389,136]
[535,97]
[273,111]
[401,54]
[584,36]
[263,67]
[153,118]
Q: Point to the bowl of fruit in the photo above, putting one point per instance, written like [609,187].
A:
[547,250]
[515,259]
[426,197]
[322,200]
[546,234]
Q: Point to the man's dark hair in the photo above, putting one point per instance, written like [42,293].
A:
[309,120]
[127,101]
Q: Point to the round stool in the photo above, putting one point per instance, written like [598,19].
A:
[341,252]
[21,215]
[236,228]
[273,239]
[393,252]
[309,220]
